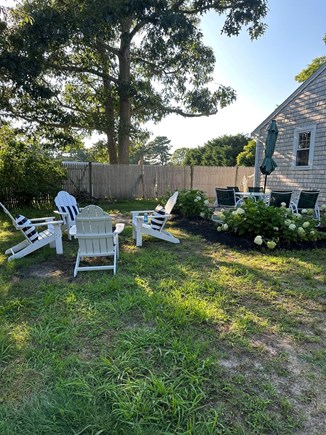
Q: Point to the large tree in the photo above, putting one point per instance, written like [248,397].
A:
[111,65]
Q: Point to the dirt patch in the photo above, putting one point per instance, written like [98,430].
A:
[58,267]
[207,230]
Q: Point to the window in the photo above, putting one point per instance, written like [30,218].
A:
[304,141]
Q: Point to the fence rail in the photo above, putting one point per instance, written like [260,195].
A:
[103,181]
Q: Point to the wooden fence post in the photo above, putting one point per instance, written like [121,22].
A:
[90,179]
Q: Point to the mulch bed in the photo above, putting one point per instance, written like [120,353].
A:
[207,230]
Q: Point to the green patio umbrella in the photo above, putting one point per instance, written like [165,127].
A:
[268,165]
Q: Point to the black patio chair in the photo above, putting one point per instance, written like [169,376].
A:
[225,198]
[279,197]
[307,199]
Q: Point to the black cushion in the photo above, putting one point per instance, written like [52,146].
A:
[28,228]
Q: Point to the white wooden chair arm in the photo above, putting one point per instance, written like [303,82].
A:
[61,213]
[141,211]
[41,224]
[44,219]
[160,216]
[118,229]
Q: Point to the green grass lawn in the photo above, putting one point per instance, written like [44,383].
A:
[185,339]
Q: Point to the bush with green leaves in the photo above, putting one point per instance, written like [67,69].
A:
[192,203]
[323,215]
[27,171]
[269,225]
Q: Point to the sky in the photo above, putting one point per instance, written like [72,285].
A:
[261,71]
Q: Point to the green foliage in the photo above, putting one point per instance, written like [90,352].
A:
[222,151]
[178,157]
[193,203]
[247,156]
[311,68]
[323,215]
[269,225]
[110,66]
[27,172]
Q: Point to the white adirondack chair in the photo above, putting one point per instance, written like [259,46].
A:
[152,229]
[67,208]
[95,238]
[33,239]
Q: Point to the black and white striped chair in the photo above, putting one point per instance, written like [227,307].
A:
[67,208]
[34,239]
[156,224]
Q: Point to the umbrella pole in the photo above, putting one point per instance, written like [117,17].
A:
[265,182]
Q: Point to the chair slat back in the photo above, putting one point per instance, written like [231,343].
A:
[308,199]
[225,197]
[171,203]
[9,214]
[94,231]
[19,228]
[277,197]
[67,203]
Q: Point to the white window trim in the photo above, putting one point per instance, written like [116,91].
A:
[304,128]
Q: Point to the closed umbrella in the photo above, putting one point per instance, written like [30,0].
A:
[268,165]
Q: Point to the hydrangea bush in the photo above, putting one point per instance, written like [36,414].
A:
[323,215]
[269,226]
[193,203]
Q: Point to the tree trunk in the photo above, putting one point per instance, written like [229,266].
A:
[124,94]
[110,130]
[108,109]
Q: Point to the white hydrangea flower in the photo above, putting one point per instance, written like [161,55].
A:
[275,228]
[306,224]
[202,215]
[271,244]
[206,202]
[234,213]
[225,227]
[323,207]
[310,211]
[198,198]
[240,211]
[283,204]
[292,227]
[219,228]
[258,240]
[312,232]
[301,230]
[304,211]
[287,222]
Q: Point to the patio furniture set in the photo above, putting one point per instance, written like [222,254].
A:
[91,226]
[305,199]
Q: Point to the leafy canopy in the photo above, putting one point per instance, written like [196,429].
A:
[109,66]
[222,151]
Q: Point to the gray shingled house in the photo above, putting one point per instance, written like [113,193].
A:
[300,151]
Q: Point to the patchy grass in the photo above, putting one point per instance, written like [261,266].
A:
[190,338]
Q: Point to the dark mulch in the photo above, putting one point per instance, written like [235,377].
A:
[207,230]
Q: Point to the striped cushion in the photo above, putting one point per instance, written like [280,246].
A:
[28,229]
[72,211]
[157,220]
